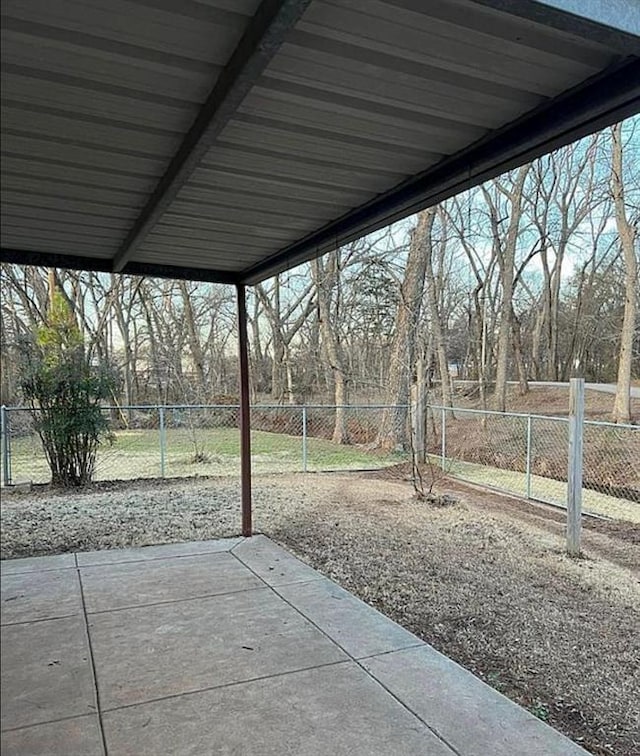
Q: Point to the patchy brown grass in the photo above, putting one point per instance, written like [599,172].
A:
[487,583]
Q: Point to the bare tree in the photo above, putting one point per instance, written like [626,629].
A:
[563,193]
[436,316]
[285,318]
[393,426]
[194,338]
[326,274]
[505,248]
[627,235]
[514,280]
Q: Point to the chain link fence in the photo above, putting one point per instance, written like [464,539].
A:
[525,455]
[189,440]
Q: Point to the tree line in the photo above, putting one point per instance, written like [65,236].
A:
[531,276]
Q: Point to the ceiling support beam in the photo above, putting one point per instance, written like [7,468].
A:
[261,41]
[604,100]
[105,265]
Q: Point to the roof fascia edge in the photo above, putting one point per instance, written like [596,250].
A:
[605,99]
[613,23]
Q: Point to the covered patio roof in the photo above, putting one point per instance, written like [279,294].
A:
[228,141]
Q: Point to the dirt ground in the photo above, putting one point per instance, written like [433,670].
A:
[484,580]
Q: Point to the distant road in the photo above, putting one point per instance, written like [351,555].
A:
[606,388]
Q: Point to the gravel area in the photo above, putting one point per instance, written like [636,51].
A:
[484,580]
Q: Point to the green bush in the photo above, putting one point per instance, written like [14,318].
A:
[64,392]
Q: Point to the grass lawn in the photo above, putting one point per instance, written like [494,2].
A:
[544,489]
[136,454]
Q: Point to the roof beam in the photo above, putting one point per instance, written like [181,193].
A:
[262,39]
[105,265]
[606,99]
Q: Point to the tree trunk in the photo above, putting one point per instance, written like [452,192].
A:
[277,368]
[626,233]
[523,384]
[195,346]
[52,280]
[506,263]
[437,327]
[284,324]
[325,276]
[393,426]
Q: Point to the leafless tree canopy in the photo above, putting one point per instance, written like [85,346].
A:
[532,276]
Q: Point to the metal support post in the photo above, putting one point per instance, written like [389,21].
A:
[163,441]
[443,434]
[5,440]
[529,439]
[574,474]
[245,412]
[304,439]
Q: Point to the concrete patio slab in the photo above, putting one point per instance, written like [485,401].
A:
[167,649]
[144,553]
[29,596]
[46,672]
[272,563]
[70,737]
[37,564]
[333,710]
[114,586]
[355,626]
[281,661]
[483,721]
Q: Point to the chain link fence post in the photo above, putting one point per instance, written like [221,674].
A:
[574,474]
[5,440]
[304,439]
[529,439]
[163,441]
[443,434]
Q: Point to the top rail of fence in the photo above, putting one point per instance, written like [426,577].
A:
[534,416]
[282,407]
[608,424]
[121,408]
[471,411]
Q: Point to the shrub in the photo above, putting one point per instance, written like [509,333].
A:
[64,392]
